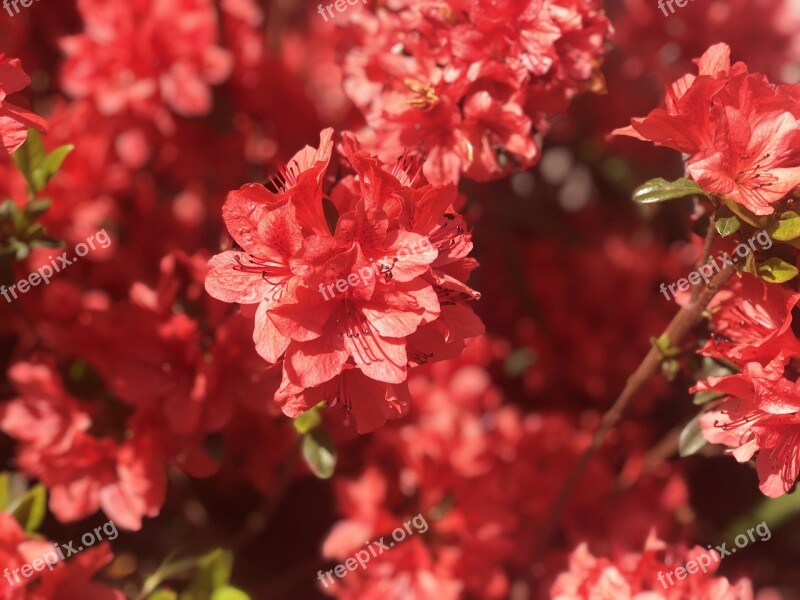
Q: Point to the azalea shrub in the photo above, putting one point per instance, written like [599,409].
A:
[425,300]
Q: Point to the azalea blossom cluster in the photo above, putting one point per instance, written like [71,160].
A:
[742,140]
[470,85]
[254,380]
[740,131]
[464,472]
[354,350]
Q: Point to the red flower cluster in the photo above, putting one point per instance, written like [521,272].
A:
[643,575]
[760,408]
[457,460]
[134,384]
[144,57]
[740,131]
[69,580]
[470,85]
[742,140]
[347,309]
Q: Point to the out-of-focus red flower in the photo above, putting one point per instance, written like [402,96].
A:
[144,56]
[456,461]
[645,575]
[15,120]
[66,580]
[82,470]
[469,86]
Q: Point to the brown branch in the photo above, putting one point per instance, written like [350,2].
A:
[681,324]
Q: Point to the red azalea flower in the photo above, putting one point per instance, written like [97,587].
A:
[753,323]
[15,120]
[760,413]
[328,301]
[740,131]
[370,403]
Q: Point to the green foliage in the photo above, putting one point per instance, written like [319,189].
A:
[727,226]
[210,580]
[787,228]
[213,572]
[319,453]
[742,213]
[30,508]
[36,165]
[308,421]
[661,190]
[519,361]
[163,595]
[691,439]
[317,445]
[227,592]
[777,270]
[20,231]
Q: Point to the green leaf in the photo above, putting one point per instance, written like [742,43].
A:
[37,208]
[777,270]
[213,572]
[519,361]
[308,420]
[741,212]
[163,595]
[51,165]
[8,210]
[788,228]
[319,453]
[691,439]
[661,190]
[36,165]
[701,398]
[30,508]
[29,157]
[665,347]
[228,592]
[5,490]
[727,226]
